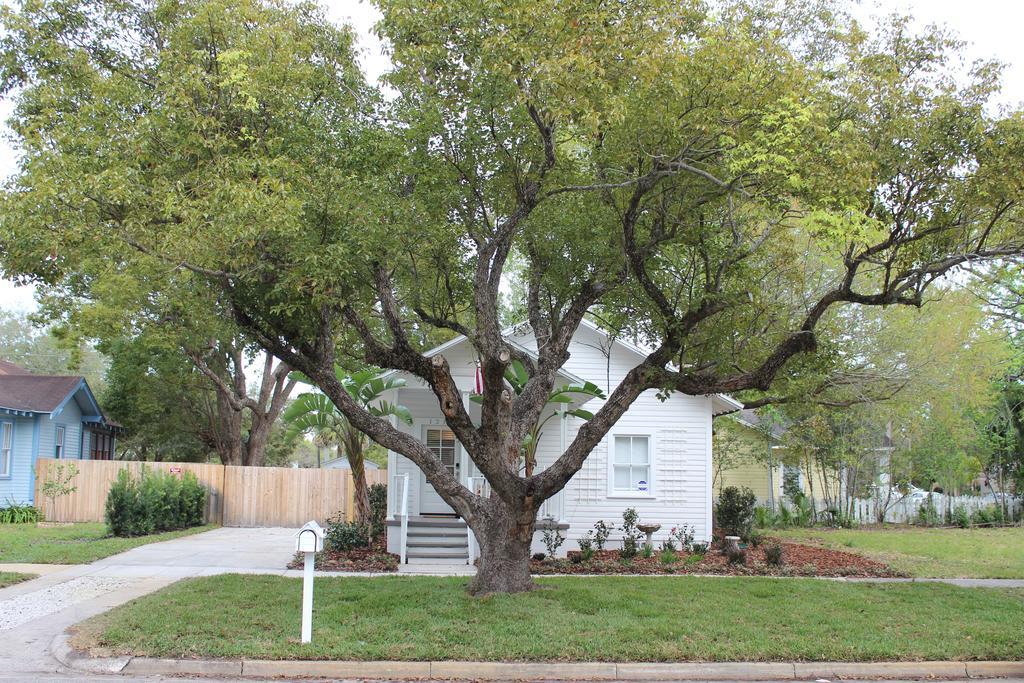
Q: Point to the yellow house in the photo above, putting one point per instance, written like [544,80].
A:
[748,452]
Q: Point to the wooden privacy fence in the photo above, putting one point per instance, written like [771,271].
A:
[236,496]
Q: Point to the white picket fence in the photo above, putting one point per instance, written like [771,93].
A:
[906,510]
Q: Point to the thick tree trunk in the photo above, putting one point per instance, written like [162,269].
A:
[504,537]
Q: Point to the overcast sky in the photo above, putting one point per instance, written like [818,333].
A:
[991,27]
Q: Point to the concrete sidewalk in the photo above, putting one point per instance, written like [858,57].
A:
[33,612]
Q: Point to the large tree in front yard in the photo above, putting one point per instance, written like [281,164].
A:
[715,183]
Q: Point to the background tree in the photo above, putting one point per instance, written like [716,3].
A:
[45,350]
[717,183]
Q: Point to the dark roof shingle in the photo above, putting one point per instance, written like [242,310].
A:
[35,393]
[9,368]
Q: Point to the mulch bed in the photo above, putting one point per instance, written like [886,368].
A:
[376,558]
[797,560]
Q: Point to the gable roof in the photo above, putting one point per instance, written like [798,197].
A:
[36,393]
[721,403]
[9,368]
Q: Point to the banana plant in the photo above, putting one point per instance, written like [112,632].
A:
[516,376]
[314,413]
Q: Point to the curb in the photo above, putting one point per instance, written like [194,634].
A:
[624,671]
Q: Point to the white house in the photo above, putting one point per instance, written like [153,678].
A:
[657,458]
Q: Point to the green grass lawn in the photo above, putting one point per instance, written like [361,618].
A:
[11,578]
[75,544]
[606,618]
[948,553]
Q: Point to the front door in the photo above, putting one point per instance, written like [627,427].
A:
[442,442]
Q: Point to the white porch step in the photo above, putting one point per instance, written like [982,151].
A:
[416,542]
[412,560]
[437,540]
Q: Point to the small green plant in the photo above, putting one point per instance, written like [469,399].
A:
[694,558]
[773,554]
[601,533]
[927,515]
[553,540]
[755,538]
[699,549]
[668,556]
[587,547]
[803,510]
[648,551]
[342,536]
[764,518]
[684,535]
[15,513]
[631,535]
[734,512]
[58,482]
[736,556]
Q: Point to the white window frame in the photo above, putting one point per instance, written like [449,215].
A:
[6,448]
[631,493]
[60,443]
[456,465]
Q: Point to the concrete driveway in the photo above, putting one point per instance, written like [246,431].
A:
[33,613]
[224,550]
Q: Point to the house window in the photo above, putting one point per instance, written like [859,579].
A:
[631,465]
[6,448]
[442,443]
[101,446]
[58,442]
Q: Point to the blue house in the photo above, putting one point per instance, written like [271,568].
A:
[46,416]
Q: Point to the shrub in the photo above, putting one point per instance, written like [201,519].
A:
[927,515]
[378,508]
[587,547]
[734,512]
[553,540]
[631,535]
[668,556]
[803,511]
[699,549]
[694,558]
[342,536]
[960,517]
[755,539]
[538,556]
[601,533]
[13,513]
[155,501]
[773,554]
[669,544]
[684,534]
[736,555]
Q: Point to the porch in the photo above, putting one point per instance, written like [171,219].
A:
[422,527]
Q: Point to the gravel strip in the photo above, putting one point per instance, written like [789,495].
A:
[24,608]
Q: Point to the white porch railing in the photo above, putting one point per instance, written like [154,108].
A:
[400,485]
[552,508]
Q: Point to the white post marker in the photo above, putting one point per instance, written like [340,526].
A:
[309,541]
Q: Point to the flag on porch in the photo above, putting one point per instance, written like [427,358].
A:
[479,378]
